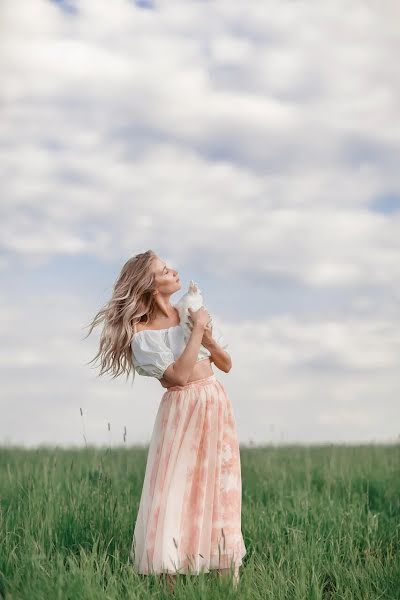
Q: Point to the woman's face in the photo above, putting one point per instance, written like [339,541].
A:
[166,278]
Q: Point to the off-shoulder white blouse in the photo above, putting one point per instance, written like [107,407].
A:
[154,350]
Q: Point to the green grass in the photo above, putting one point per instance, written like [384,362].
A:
[318,523]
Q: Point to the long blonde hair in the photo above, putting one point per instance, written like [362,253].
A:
[132,301]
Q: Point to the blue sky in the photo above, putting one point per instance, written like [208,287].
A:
[252,146]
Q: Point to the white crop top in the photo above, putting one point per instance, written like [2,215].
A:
[153,350]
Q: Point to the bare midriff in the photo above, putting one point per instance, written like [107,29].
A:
[201,369]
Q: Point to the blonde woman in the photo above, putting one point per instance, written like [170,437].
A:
[189,516]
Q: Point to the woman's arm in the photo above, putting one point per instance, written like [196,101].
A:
[179,372]
[219,356]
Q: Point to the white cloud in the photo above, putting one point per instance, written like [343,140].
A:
[252,139]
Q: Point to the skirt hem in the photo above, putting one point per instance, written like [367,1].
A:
[186,571]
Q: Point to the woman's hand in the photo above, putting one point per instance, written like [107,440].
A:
[207,334]
[200,317]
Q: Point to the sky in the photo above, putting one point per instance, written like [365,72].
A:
[254,147]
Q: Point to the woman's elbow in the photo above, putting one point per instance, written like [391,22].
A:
[226,366]
[173,377]
[229,365]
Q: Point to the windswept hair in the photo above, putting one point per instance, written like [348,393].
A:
[132,301]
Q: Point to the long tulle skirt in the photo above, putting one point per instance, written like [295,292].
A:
[189,516]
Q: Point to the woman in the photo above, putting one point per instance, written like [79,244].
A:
[189,516]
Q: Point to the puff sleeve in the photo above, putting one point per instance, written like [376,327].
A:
[150,354]
[219,337]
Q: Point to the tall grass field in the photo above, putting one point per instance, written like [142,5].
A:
[319,522]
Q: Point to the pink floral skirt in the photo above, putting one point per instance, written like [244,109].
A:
[189,516]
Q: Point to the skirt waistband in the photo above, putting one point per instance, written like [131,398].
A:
[197,383]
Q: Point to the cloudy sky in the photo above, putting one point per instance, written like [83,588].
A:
[253,146]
